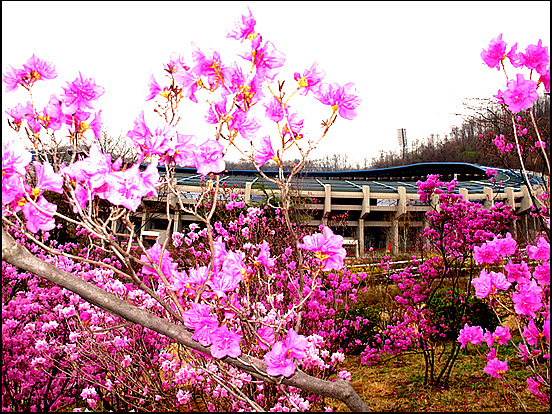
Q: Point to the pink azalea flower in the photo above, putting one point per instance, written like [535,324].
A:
[542,274]
[536,57]
[210,67]
[520,94]
[198,276]
[15,158]
[96,125]
[188,81]
[209,157]
[278,362]
[225,343]
[140,132]
[486,253]
[274,110]
[515,58]
[80,93]
[155,89]
[505,246]
[266,333]
[205,328]
[13,78]
[296,125]
[496,368]
[295,344]
[223,282]
[264,255]
[183,152]
[518,273]
[179,282]
[161,141]
[244,29]
[539,252]
[12,189]
[39,219]
[46,178]
[327,247]
[21,112]
[195,313]
[219,112]
[176,63]
[488,283]
[545,79]
[494,54]
[246,126]
[528,300]
[473,334]
[502,335]
[531,333]
[264,153]
[310,80]
[267,61]
[168,267]
[342,99]
[533,387]
[35,69]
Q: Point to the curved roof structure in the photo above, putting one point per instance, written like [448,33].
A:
[470,176]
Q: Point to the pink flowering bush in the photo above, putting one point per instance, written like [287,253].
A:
[455,229]
[522,285]
[230,293]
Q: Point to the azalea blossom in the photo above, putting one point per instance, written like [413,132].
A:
[278,362]
[266,333]
[518,273]
[80,93]
[155,89]
[245,29]
[528,299]
[342,99]
[46,178]
[225,343]
[541,251]
[520,94]
[496,368]
[205,328]
[264,152]
[274,110]
[208,157]
[494,54]
[327,247]
[473,334]
[197,311]
[536,57]
[267,61]
[486,253]
[488,283]
[35,69]
[40,217]
[310,79]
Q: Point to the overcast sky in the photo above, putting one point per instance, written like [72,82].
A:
[413,63]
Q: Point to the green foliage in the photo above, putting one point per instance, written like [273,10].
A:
[359,323]
[448,312]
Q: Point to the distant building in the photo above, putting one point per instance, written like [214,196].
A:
[383,205]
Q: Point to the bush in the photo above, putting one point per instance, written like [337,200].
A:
[359,323]
[447,314]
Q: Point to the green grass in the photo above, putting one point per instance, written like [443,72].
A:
[398,385]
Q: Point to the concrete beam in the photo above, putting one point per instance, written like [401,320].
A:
[401,203]
[365,201]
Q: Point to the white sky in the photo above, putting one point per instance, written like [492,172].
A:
[412,62]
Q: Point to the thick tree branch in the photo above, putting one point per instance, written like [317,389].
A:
[17,255]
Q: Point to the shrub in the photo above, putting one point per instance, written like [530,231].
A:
[448,315]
